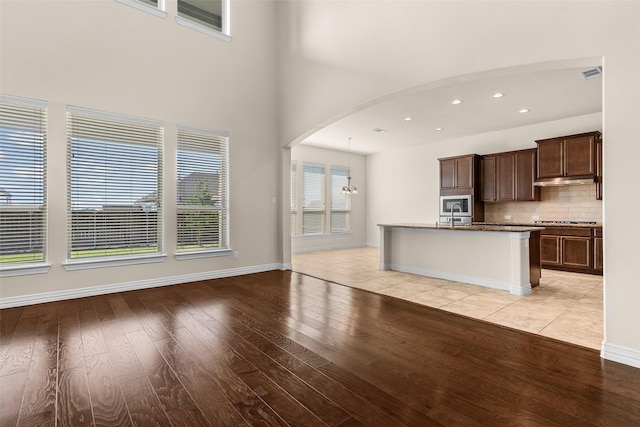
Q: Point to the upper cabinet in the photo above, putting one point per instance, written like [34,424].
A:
[508,177]
[572,156]
[458,173]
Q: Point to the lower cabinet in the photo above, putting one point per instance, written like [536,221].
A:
[598,258]
[571,249]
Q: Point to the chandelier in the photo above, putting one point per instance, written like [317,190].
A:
[349,189]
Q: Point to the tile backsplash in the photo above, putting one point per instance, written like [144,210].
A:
[563,203]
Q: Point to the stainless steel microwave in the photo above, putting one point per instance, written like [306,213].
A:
[462,206]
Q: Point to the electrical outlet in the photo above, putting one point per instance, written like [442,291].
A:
[236,255]
[507,217]
[535,217]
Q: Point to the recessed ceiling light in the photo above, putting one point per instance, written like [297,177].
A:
[456,101]
[524,110]
[497,95]
[407,119]
[439,129]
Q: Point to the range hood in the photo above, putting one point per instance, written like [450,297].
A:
[567,180]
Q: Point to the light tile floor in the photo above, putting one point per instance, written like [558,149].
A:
[566,306]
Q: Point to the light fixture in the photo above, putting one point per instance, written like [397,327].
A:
[456,101]
[524,110]
[349,189]
[497,95]
[438,129]
[407,119]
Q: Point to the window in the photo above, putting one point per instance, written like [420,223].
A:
[202,190]
[313,199]
[209,16]
[155,7]
[340,219]
[23,207]
[115,185]
[294,199]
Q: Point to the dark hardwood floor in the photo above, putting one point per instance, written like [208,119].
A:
[281,348]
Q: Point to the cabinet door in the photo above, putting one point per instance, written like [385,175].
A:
[598,258]
[505,177]
[579,154]
[550,250]
[447,173]
[551,158]
[576,251]
[525,175]
[464,172]
[599,169]
[489,179]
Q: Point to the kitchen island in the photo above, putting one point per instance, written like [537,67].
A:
[499,257]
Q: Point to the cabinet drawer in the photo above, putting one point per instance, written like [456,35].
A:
[566,231]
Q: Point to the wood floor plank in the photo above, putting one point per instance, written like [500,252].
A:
[74,405]
[11,392]
[144,407]
[107,402]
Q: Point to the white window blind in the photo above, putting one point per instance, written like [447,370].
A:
[294,199]
[23,209]
[340,220]
[114,185]
[313,195]
[202,189]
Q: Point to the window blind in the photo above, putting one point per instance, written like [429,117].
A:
[202,189]
[294,199]
[313,195]
[340,219]
[114,185]
[23,208]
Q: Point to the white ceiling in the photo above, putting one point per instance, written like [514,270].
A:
[548,94]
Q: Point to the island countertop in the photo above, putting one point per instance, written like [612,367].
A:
[474,227]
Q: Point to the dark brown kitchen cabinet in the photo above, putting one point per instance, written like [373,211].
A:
[570,249]
[598,258]
[458,172]
[509,176]
[599,169]
[568,156]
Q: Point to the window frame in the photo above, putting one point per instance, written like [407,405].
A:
[293,198]
[347,199]
[223,148]
[81,125]
[159,10]
[321,210]
[223,34]
[38,119]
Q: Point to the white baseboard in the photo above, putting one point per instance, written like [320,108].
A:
[480,281]
[130,286]
[328,248]
[620,354]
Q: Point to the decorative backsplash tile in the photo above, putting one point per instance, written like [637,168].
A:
[563,203]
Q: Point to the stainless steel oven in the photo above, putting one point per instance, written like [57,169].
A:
[458,209]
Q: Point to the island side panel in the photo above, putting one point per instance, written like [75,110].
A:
[475,257]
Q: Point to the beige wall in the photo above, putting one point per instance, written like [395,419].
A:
[337,57]
[108,56]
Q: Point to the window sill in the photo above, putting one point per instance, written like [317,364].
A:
[86,264]
[341,233]
[180,256]
[144,7]
[23,270]
[203,29]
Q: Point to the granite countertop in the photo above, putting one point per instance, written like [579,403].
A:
[475,227]
[530,224]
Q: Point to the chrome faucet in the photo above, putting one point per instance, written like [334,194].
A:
[452,218]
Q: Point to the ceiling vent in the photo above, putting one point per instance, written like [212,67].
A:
[592,73]
[379,130]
